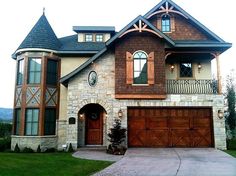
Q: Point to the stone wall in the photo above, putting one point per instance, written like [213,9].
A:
[33,142]
[80,94]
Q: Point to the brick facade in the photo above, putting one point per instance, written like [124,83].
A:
[148,43]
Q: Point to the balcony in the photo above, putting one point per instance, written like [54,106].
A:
[191,86]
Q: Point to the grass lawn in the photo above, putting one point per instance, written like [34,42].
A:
[231,152]
[47,164]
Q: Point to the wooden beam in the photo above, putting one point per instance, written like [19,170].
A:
[218,74]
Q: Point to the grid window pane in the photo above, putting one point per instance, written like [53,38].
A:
[17,121]
[165,23]
[50,122]
[32,119]
[34,71]
[52,73]
[186,70]
[20,72]
[140,68]
[88,37]
[99,38]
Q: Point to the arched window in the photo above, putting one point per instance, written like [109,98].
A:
[140,67]
[165,23]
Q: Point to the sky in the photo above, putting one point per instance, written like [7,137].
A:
[17,18]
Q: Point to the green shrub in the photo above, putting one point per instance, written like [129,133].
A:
[27,150]
[50,150]
[38,149]
[5,130]
[70,149]
[17,149]
[231,144]
[5,144]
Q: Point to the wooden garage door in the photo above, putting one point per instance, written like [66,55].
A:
[170,127]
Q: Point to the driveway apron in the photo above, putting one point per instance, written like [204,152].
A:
[172,162]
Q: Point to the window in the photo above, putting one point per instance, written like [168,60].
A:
[34,71]
[52,72]
[17,121]
[50,122]
[140,68]
[186,69]
[99,38]
[165,23]
[20,72]
[31,122]
[88,37]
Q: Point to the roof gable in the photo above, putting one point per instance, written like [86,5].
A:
[168,6]
[41,36]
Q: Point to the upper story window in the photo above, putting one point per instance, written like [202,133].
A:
[186,69]
[88,37]
[52,73]
[140,67]
[165,23]
[99,37]
[34,71]
[20,72]
[31,122]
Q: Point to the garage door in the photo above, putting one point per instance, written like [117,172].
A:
[170,127]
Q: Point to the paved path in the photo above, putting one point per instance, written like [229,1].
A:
[172,162]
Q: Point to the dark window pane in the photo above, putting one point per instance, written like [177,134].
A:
[50,122]
[52,73]
[34,71]
[140,68]
[17,121]
[186,70]
[20,72]
[32,119]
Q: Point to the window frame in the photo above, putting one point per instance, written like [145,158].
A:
[140,71]
[85,38]
[192,70]
[51,123]
[34,70]
[165,25]
[102,38]
[20,66]
[31,122]
[50,74]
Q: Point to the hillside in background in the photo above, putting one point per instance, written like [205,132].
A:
[6,114]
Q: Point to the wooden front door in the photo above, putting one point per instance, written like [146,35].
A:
[94,128]
[170,127]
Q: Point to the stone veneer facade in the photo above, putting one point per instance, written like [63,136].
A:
[80,94]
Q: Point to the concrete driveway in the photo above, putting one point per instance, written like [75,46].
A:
[172,162]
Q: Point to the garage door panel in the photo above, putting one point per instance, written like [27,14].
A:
[157,138]
[170,127]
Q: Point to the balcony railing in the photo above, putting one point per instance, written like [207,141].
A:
[192,86]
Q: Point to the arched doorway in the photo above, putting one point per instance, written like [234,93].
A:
[93,115]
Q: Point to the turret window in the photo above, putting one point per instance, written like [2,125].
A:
[20,72]
[34,71]
[52,72]
[32,121]
[50,122]
[17,121]
[165,23]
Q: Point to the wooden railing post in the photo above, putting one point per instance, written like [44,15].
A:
[218,74]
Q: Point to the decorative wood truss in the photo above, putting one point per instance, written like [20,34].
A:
[140,27]
[167,8]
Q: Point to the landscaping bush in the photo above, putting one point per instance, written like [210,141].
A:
[38,149]
[27,150]
[17,149]
[231,144]
[5,144]
[5,130]
[70,149]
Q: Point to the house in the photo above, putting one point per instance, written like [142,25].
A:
[154,74]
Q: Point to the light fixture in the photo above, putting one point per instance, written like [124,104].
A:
[220,114]
[199,67]
[120,114]
[81,117]
[172,67]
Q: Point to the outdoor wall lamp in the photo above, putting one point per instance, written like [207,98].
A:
[172,67]
[220,114]
[81,117]
[199,67]
[120,114]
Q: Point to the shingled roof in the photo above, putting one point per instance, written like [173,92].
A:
[41,36]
